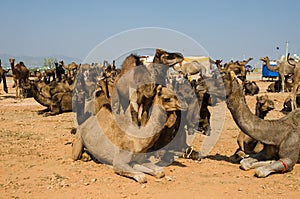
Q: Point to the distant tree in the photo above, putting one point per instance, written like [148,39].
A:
[49,62]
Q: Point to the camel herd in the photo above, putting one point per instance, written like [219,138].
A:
[128,116]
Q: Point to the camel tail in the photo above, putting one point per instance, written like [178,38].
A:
[288,60]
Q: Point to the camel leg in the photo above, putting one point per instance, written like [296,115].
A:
[281,165]
[151,169]
[17,90]
[121,166]
[5,88]
[77,148]
[293,96]
[268,153]
[282,83]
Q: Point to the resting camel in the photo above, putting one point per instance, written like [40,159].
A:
[277,85]
[281,137]
[194,67]
[248,145]
[3,77]
[287,105]
[20,75]
[283,68]
[296,79]
[57,103]
[116,140]
[250,87]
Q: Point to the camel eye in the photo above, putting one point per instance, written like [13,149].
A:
[166,99]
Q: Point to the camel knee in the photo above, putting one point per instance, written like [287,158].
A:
[77,148]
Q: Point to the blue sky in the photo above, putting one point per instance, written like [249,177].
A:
[226,29]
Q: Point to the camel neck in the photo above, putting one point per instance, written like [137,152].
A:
[248,122]
[273,69]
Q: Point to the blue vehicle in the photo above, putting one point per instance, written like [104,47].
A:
[266,73]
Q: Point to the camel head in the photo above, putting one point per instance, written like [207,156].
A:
[264,103]
[166,58]
[244,62]
[265,59]
[168,99]
[218,61]
[12,61]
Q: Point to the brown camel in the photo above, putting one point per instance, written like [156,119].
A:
[238,67]
[115,140]
[20,76]
[287,105]
[3,77]
[58,102]
[250,87]
[144,78]
[296,79]
[281,137]
[248,145]
[283,68]
[277,85]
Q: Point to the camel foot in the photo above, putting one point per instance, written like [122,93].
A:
[85,157]
[235,158]
[149,168]
[262,172]
[246,164]
[140,178]
[190,153]
[42,111]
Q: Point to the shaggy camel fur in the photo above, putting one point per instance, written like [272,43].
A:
[281,137]
[283,68]
[115,140]
[296,79]
[20,76]
[248,145]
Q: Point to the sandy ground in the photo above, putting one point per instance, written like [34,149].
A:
[35,162]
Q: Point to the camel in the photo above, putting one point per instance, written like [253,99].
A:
[281,137]
[144,78]
[238,67]
[3,77]
[57,103]
[48,74]
[248,145]
[20,75]
[296,79]
[59,71]
[250,87]
[219,65]
[277,85]
[287,105]
[283,68]
[192,68]
[115,140]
